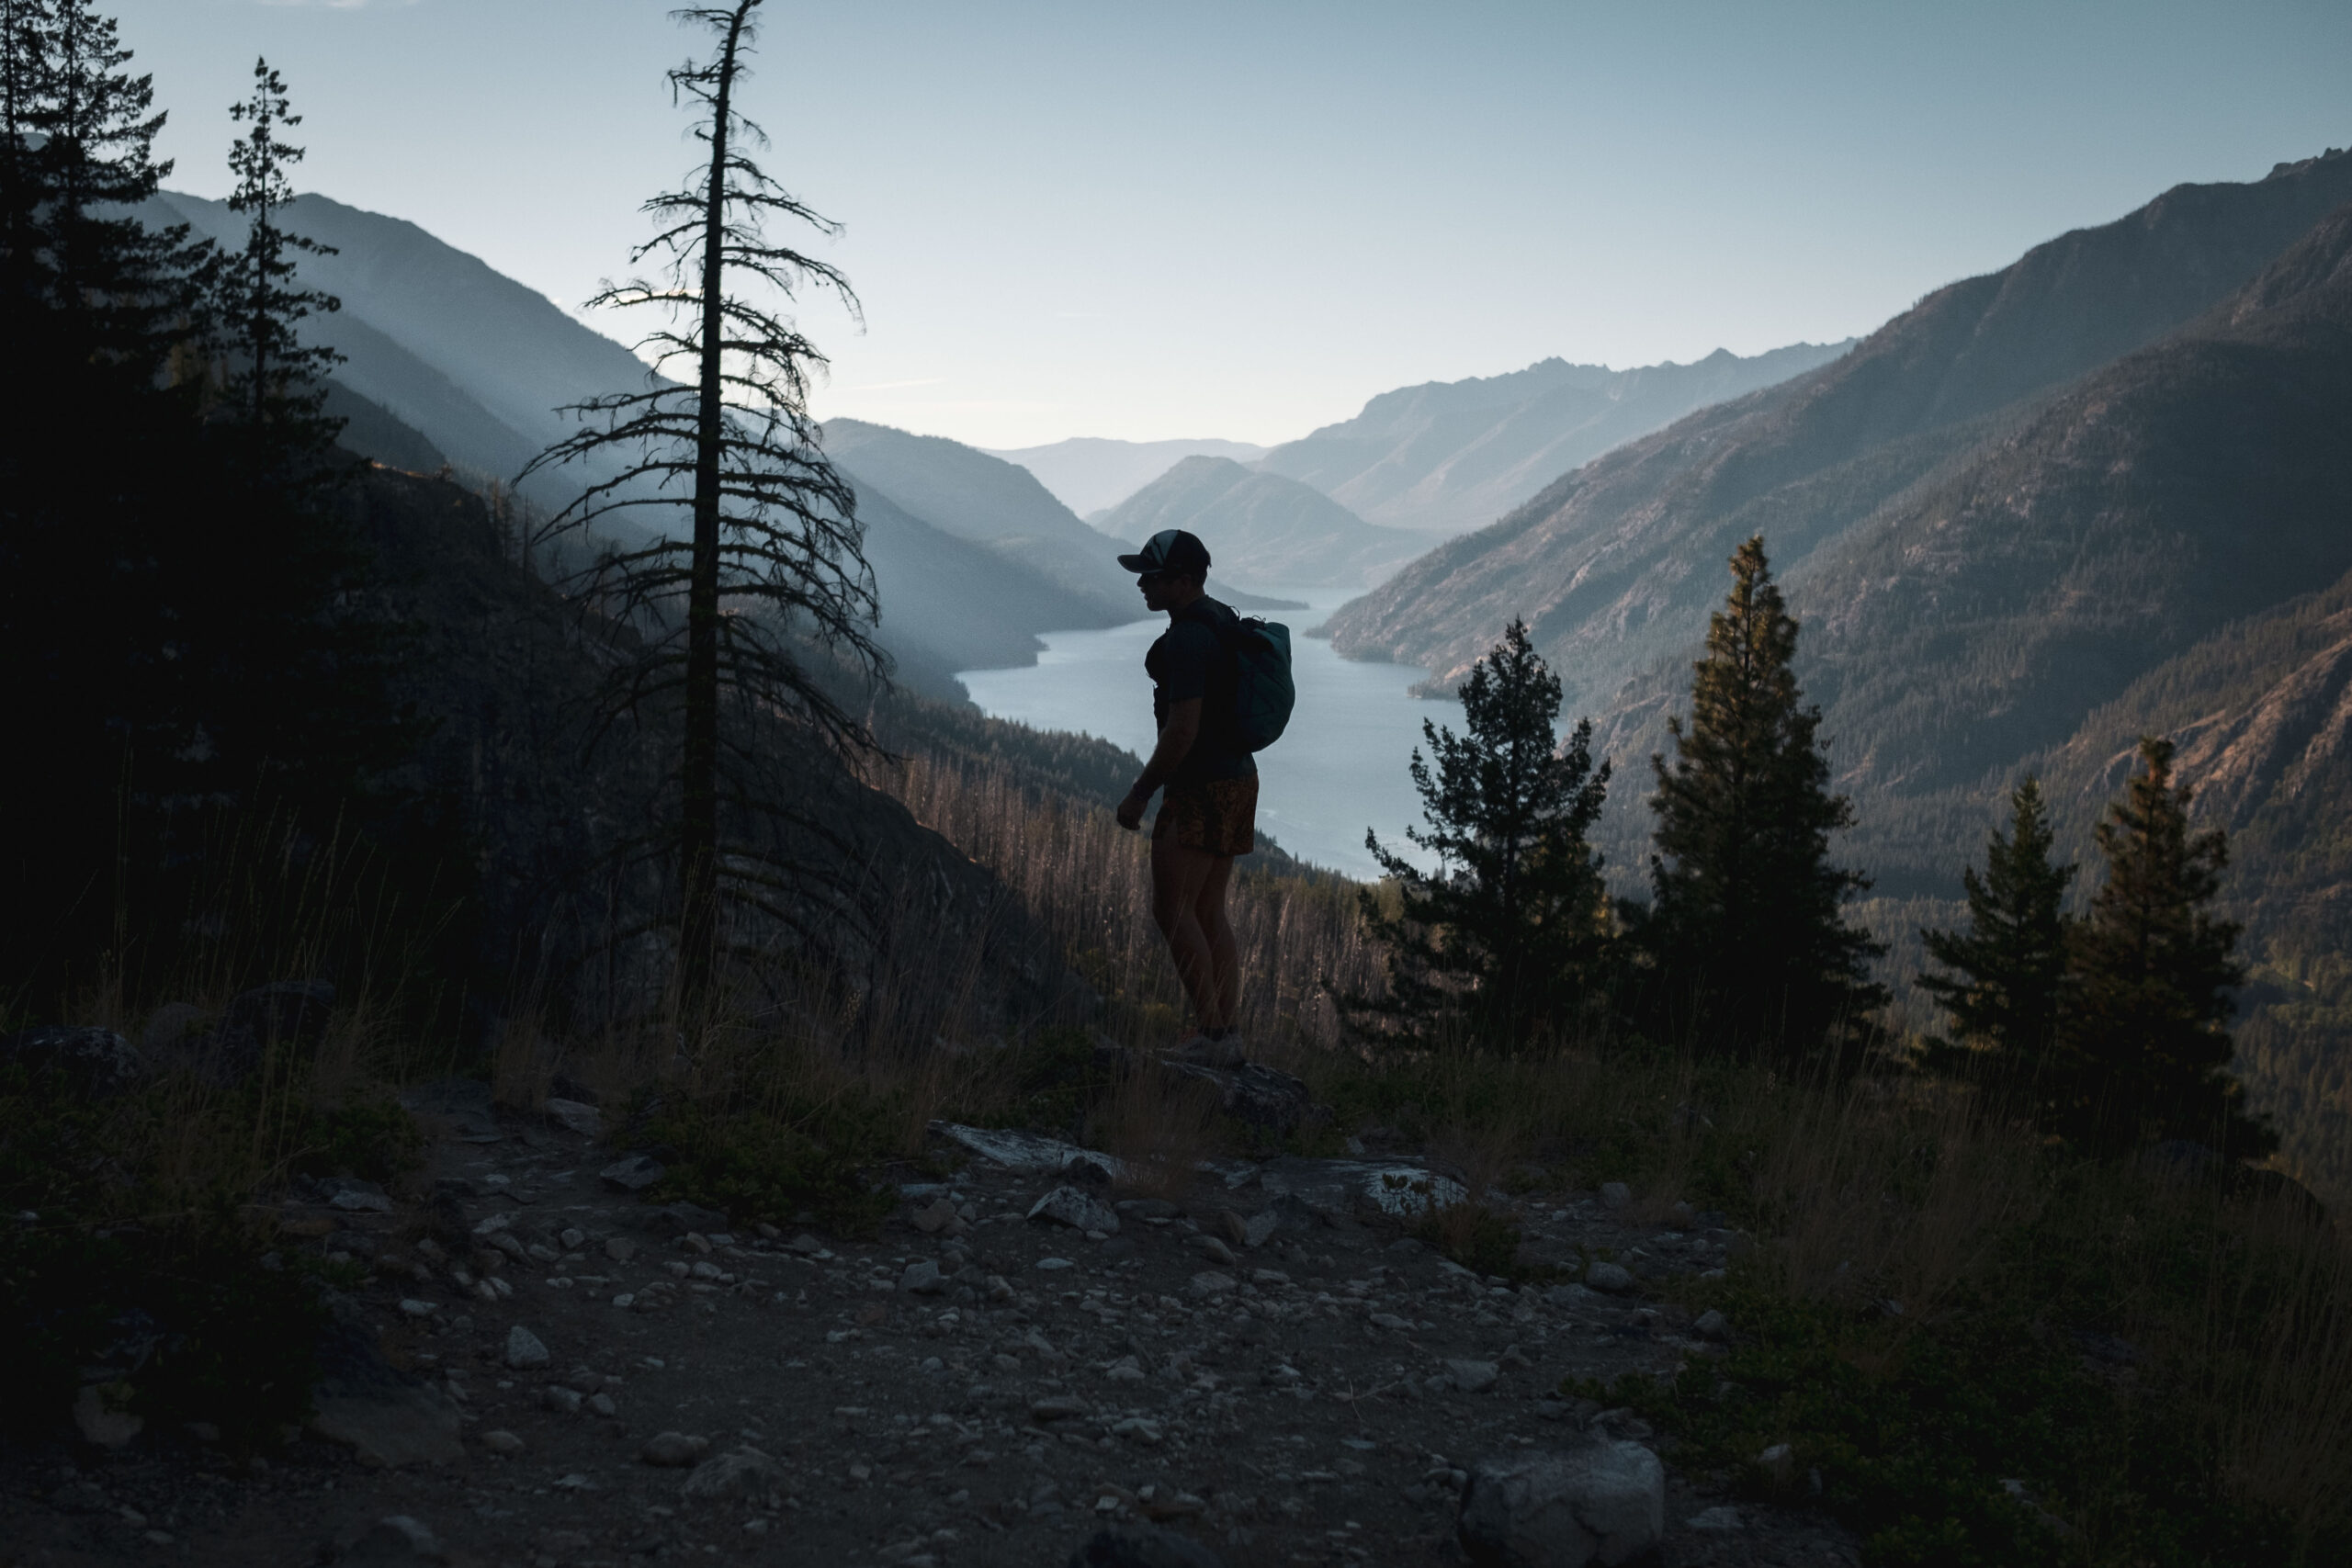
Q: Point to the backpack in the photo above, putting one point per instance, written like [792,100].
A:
[1263,693]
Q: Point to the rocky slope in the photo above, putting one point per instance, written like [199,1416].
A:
[1262,531]
[1450,455]
[543,1370]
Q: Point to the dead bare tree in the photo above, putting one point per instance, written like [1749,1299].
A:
[771,564]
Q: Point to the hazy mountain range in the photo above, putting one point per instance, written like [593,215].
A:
[1448,455]
[1263,530]
[1091,474]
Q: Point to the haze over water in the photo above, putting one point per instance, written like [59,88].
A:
[1340,768]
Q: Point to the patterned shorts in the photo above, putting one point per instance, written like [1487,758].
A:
[1216,815]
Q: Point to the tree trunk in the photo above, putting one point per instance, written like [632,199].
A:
[698,814]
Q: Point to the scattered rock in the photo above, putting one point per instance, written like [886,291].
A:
[1616,1194]
[1779,1462]
[1609,1277]
[353,1196]
[923,1278]
[1473,1377]
[99,1415]
[634,1174]
[562,1401]
[1076,1207]
[398,1540]
[1142,1546]
[1211,1248]
[1253,1230]
[1602,1502]
[1712,1325]
[673,1451]
[1715,1519]
[525,1349]
[573,1116]
[1207,1284]
[939,1216]
[97,1063]
[501,1441]
[688,1219]
[739,1472]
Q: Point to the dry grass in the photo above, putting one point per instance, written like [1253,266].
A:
[1088,882]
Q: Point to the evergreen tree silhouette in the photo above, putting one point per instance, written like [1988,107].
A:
[1504,942]
[2008,974]
[274,383]
[2149,1036]
[116,294]
[1745,947]
[770,560]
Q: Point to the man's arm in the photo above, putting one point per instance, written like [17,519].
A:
[1176,737]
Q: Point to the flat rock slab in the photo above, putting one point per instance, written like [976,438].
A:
[1600,1502]
[390,1426]
[1030,1153]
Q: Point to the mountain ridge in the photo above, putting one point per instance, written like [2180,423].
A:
[1262,529]
[1445,456]
[1627,544]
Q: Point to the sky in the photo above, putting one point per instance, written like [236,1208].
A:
[1162,220]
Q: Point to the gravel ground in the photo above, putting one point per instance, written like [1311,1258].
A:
[975,1387]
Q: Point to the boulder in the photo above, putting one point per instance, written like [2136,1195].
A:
[744,1472]
[389,1423]
[101,1417]
[525,1349]
[96,1062]
[1473,1377]
[1255,1093]
[673,1451]
[1611,1277]
[1602,1502]
[576,1117]
[1077,1208]
[634,1174]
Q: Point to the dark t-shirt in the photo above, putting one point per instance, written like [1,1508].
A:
[1190,660]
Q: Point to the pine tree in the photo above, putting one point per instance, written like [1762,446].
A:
[2149,1035]
[274,382]
[1504,942]
[117,294]
[2008,970]
[771,559]
[1745,946]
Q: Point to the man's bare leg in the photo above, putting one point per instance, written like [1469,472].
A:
[1224,955]
[1178,875]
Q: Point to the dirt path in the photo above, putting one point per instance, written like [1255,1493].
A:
[974,1388]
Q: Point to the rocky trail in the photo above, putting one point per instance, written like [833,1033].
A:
[545,1369]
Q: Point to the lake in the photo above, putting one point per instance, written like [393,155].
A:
[1339,768]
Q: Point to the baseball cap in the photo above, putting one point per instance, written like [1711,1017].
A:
[1171,549]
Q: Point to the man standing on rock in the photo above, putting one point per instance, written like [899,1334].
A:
[1209,813]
